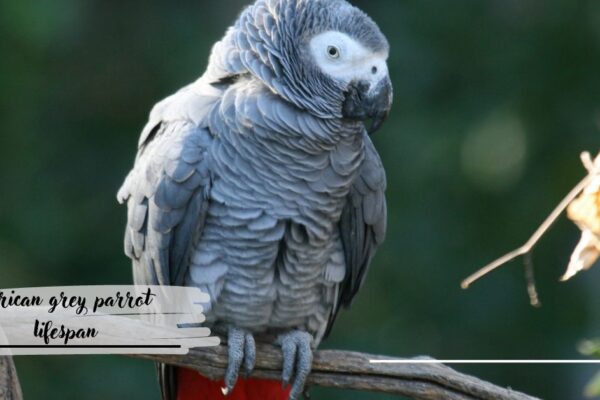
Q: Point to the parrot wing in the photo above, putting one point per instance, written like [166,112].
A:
[167,194]
[362,226]
[167,190]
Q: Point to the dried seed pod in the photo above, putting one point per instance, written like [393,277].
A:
[585,212]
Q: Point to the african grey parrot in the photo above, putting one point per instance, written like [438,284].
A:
[259,184]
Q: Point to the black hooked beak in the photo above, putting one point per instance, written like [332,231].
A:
[365,102]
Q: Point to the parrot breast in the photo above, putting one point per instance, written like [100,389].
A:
[270,254]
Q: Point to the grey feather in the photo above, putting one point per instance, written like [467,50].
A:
[167,218]
[362,225]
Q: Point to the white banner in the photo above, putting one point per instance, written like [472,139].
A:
[102,320]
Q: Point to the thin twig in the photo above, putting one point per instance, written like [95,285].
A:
[350,370]
[533,241]
[534,298]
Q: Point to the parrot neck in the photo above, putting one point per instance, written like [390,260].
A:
[250,111]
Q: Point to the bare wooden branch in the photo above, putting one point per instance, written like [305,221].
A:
[350,370]
[593,168]
[10,388]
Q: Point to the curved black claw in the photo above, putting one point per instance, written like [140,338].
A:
[242,349]
[296,347]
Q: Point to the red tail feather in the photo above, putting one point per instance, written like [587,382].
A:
[193,386]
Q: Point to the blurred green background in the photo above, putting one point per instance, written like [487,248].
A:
[494,102]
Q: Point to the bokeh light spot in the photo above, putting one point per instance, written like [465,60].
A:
[494,152]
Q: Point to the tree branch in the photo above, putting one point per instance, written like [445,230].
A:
[10,389]
[350,370]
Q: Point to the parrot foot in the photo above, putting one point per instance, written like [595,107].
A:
[242,350]
[297,359]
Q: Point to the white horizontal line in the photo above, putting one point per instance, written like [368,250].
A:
[425,361]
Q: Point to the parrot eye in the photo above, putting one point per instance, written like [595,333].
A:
[333,52]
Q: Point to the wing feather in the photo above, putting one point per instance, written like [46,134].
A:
[167,194]
[167,198]
[362,226]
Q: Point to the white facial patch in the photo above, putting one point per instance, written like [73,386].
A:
[345,59]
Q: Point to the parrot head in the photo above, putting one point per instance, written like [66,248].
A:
[360,69]
[324,56]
